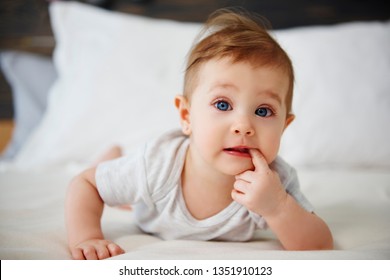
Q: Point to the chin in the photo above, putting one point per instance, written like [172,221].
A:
[235,170]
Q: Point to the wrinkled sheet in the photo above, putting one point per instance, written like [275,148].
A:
[354,203]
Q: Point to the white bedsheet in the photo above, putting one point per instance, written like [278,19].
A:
[354,203]
[342,110]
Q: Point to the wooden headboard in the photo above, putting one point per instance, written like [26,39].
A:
[25,24]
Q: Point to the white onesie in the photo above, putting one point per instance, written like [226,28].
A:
[150,180]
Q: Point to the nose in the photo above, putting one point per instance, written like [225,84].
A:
[243,129]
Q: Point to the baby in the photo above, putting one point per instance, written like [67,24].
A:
[219,178]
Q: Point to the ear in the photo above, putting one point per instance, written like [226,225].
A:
[289,119]
[183,107]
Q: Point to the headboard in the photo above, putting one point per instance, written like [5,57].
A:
[25,24]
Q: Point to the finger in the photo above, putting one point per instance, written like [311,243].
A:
[102,252]
[77,254]
[238,196]
[241,186]
[115,249]
[90,253]
[246,176]
[258,160]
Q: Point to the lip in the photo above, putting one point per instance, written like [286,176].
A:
[239,151]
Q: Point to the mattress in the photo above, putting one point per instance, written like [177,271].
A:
[354,203]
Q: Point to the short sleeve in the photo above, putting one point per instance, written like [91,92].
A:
[290,181]
[122,181]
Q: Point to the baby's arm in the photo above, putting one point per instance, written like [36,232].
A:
[261,191]
[84,209]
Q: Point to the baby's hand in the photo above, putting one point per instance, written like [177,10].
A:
[95,249]
[260,190]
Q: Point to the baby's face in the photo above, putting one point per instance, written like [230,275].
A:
[236,107]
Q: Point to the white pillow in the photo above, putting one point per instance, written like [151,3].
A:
[342,95]
[30,76]
[118,75]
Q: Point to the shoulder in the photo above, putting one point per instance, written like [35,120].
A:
[286,172]
[147,173]
[289,178]
[164,160]
[166,144]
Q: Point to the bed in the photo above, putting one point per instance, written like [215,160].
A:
[108,67]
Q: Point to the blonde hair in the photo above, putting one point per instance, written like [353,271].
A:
[242,37]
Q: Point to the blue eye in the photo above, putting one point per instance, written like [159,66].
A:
[222,105]
[263,112]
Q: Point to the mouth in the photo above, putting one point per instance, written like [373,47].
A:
[241,151]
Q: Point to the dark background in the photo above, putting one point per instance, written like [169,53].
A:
[25,24]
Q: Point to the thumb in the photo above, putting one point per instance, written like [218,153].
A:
[259,161]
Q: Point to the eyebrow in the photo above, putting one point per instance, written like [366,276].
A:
[268,93]
[222,85]
[272,95]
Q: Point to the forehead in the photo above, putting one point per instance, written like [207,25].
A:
[228,75]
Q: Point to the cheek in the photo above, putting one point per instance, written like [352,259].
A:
[270,143]
[207,135]
[204,122]
[205,131]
